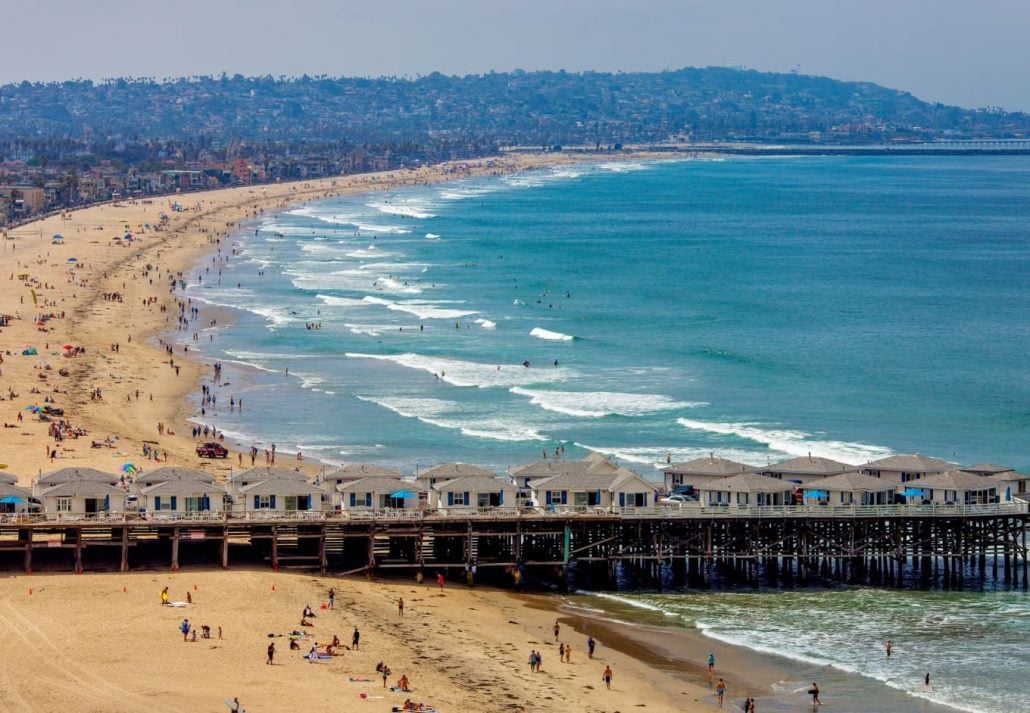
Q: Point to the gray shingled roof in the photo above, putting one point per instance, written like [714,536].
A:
[985,468]
[593,463]
[376,485]
[588,481]
[711,465]
[355,471]
[853,482]
[254,475]
[910,463]
[807,465]
[456,470]
[748,483]
[8,478]
[183,486]
[473,482]
[83,489]
[9,490]
[173,473]
[1009,476]
[281,486]
[67,475]
[955,480]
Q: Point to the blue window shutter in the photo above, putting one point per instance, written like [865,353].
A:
[450,498]
[597,498]
[564,497]
[307,502]
[205,503]
[271,502]
[622,500]
[173,502]
[157,502]
[257,502]
[353,499]
[107,502]
[547,496]
[466,500]
[500,498]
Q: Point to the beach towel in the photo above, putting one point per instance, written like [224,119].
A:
[181,605]
[360,680]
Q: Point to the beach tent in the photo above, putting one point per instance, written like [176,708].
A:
[29,351]
[73,259]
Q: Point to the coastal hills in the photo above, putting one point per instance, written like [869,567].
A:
[66,144]
[516,108]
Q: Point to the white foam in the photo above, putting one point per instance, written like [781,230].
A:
[622,166]
[657,457]
[598,404]
[432,236]
[333,301]
[411,208]
[441,413]
[423,309]
[486,323]
[796,443]
[541,333]
[472,374]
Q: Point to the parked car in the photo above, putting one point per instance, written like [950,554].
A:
[674,500]
[212,450]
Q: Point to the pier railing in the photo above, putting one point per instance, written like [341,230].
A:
[686,511]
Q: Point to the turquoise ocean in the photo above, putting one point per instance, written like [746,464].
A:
[756,308]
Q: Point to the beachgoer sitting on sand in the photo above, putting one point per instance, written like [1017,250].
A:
[308,612]
[294,646]
[403,683]
[305,622]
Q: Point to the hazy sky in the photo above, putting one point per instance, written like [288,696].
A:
[968,52]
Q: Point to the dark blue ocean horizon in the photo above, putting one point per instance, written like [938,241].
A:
[759,309]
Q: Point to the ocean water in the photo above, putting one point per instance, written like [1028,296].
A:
[974,645]
[760,309]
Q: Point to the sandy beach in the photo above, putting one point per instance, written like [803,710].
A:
[111,299]
[104,642]
[95,310]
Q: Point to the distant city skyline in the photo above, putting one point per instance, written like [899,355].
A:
[939,51]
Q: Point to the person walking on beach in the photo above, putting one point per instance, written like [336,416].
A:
[439,580]
[590,646]
[607,677]
[887,646]
[814,692]
[400,606]
[355,639]
[184,627]
[271,653]
[332,597]
[164,597]
[557,630]
[720,691]
[926,682]
[561,652]
[711,663]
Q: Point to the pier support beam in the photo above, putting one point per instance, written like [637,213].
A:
[125,549]
[323,561]
[225,547]
[78,551]
[175,549]
[28,550]
[275,548]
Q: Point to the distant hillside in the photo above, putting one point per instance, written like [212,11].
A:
[518,108]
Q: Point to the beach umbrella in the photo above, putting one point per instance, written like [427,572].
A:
[816,494]
[912,492]
[58,236]
[73,259]
[129,468]
[12,500]
[402,494]
[68,346]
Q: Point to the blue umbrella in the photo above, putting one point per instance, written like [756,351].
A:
[402,494]
[912,492]
[11,500]
[816,494]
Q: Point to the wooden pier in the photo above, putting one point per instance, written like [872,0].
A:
[904,546]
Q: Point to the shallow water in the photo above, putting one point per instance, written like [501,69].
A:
[974,645]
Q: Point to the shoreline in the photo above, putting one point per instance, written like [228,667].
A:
[143,314]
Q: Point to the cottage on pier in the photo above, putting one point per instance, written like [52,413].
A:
[701,471]
[745,490]
[906,467]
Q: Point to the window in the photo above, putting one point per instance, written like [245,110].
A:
[458,498]
[264,502]
[64,505]
[166,503]
[907,477]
